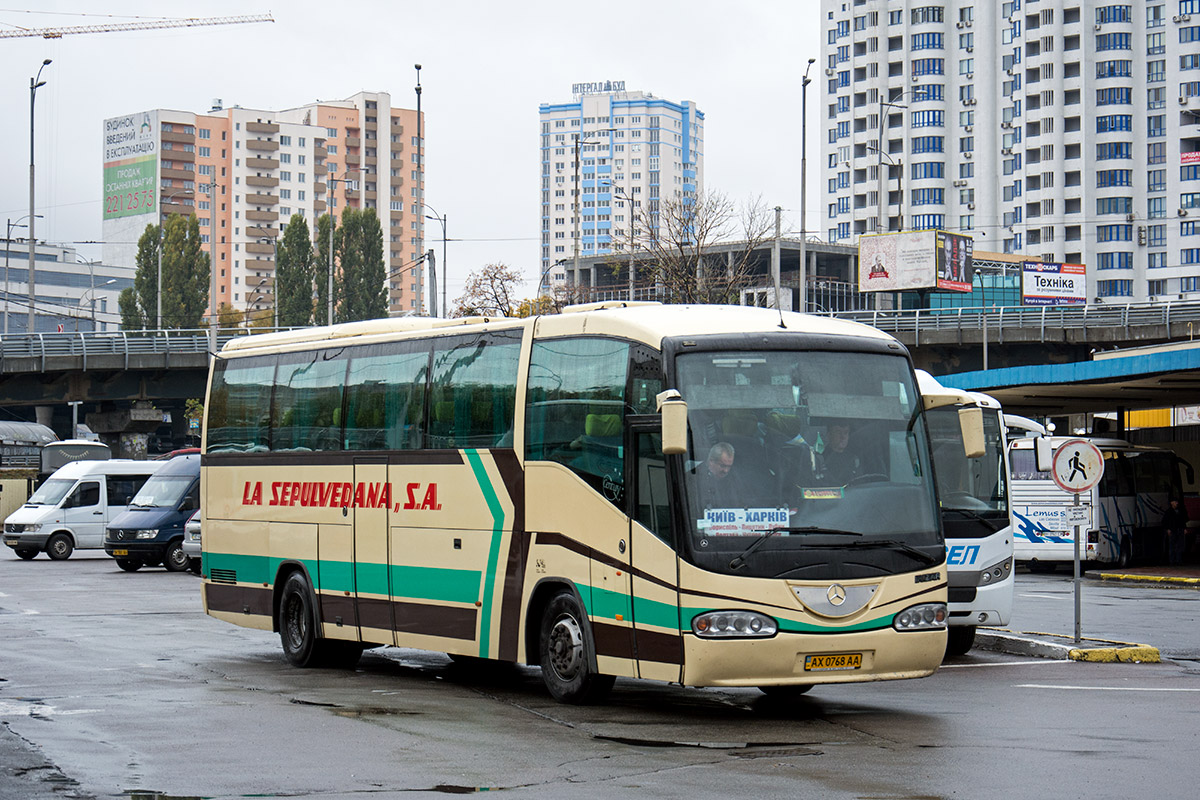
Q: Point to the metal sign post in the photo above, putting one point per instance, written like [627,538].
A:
[1078,466]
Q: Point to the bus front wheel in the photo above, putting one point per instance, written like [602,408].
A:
[567,654]
[298,630]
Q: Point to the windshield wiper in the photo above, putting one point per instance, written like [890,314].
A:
[920,555]
[739,560]
[975,515]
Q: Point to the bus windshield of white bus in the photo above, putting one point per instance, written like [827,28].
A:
[973,492]
[807,464]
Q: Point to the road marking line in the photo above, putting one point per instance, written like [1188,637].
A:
[1006,663]
[1103,688]
[1047,596]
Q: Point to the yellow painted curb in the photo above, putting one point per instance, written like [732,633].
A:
[1116,576]
[1143,654]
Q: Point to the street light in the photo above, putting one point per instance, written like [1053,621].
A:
[7,249]
[803,272]
[899,162]
[331,180]
[579,139]
[34,83]
[442,220]
[92,291]
[420,188]
[257,293]
[881,222]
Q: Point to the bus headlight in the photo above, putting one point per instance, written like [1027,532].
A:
[925,617]
[996,572]
[147,533]
[734,625]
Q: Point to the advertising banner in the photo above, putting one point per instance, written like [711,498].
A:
[1051,284]
[893,262]
[131,165]
[955,262]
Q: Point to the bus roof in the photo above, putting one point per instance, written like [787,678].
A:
[646,322]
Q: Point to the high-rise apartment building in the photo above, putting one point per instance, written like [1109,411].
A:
[619,155]
[1061,130]
[266,166]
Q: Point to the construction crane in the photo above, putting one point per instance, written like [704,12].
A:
[187,22]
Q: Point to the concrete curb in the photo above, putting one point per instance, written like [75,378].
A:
[1052,645]
[1159,580]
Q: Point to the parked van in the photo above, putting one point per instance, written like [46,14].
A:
[71,508]
[150,532]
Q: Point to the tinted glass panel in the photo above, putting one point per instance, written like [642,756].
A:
[474,390]
[576,408]
[385,394]
[240,405]
[308,401]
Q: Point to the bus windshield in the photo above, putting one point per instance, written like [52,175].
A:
[809,465]
[162,491]
[973,492]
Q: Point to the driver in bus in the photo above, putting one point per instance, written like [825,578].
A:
[718,487]
[840,461]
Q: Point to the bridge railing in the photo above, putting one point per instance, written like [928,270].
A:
[90,344]
[999,318]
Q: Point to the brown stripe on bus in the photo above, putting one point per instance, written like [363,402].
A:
[614,641]
[238,599]
[518,553]
[450,622]
[337,609]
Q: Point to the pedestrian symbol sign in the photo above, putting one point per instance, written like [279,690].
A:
[1078,466]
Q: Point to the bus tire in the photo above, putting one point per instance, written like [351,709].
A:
[959,639]
[27,553]
[175,560]
[59,547]
[129,564]
[567,654]
[298,630]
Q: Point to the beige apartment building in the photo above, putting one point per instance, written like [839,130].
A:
[265,166]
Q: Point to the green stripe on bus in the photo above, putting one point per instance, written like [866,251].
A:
[408,582]
[493,501]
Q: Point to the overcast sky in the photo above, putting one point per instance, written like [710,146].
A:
[486,66]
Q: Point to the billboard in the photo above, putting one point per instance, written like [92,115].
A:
[1046,283]
[131,165]
[894,262]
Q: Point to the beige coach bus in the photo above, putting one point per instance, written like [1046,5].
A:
[709,496]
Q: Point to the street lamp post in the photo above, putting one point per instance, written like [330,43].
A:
[275,273]
[442,220]
[92,291]
[628,201]
[7,249]
[34,83]
[332,221]
[212,263]
[420,189]
[899,164]
[803,271]
[881,222]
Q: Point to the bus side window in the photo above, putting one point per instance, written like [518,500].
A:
[653,508]
[308,401]
[385,396]
[576,409]
[473,394]
[239,419]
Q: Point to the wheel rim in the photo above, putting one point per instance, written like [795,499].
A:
[565,648]
[59,546]
[177,557]
[296,623]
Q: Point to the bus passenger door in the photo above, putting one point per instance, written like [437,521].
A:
[372,577]
[658,645]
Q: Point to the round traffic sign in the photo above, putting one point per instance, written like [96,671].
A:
[1078,465]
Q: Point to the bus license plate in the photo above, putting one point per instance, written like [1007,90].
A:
[831,662]
[126,552]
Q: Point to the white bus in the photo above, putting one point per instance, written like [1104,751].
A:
[975,500]
[1127,506]
[538,491]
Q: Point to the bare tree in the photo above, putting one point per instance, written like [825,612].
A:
[490,291]
[674,244]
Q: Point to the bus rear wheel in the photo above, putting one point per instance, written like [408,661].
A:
[959,639]
[567,654]
[298,630]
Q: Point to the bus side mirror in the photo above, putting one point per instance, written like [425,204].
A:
[674,422]
[970,420]
[1043,454]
